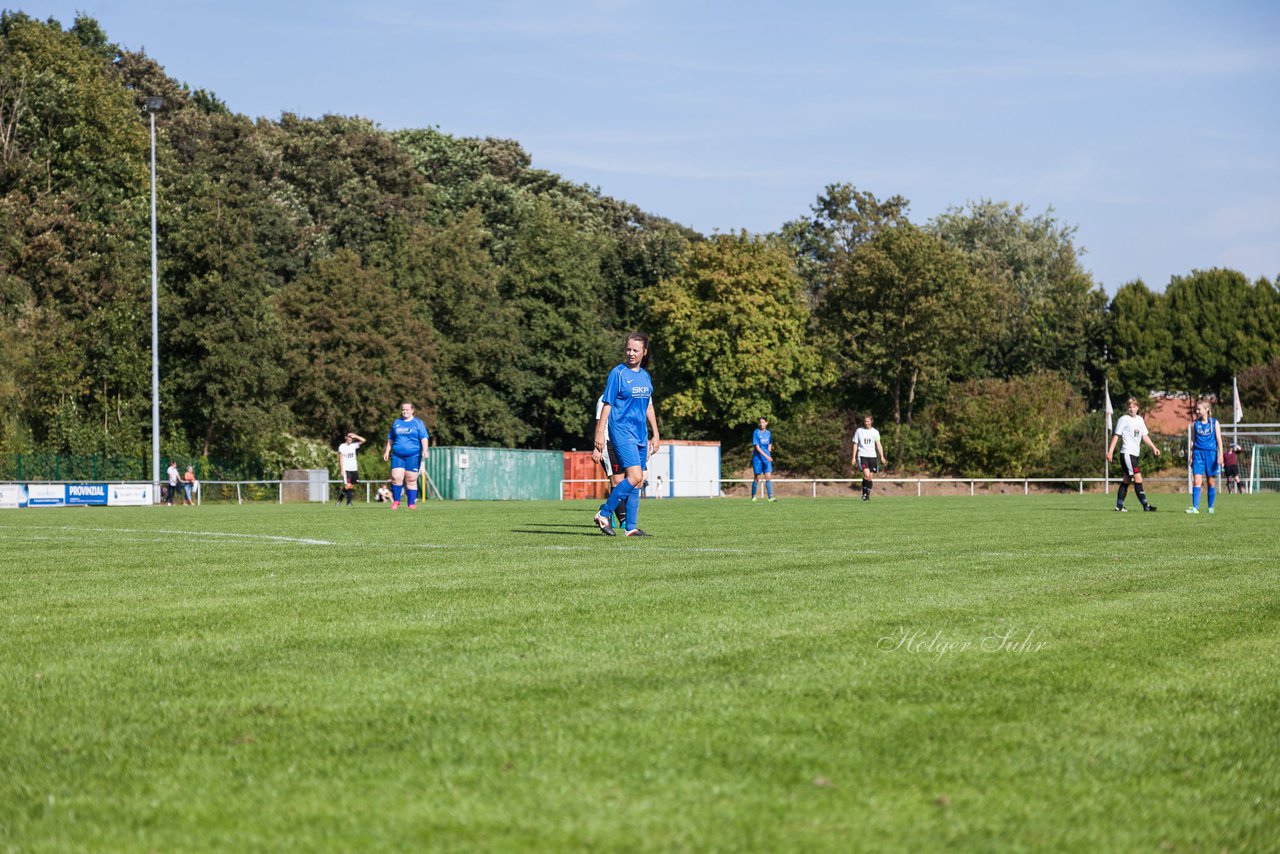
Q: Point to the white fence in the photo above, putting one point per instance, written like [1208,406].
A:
[244,486]
[920,482]
[249,490]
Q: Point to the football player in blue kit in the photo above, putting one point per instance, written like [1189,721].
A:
[1205,453]
[406,450]
[762,459]
[628,407]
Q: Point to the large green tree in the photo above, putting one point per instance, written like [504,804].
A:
[907,313]
[553,283]
[839,221]
[351,352]
[224,235]
[72,241]
[359,188]
[1052,315]
[1139,341]
[731,339]
[454,282]
[1220,324]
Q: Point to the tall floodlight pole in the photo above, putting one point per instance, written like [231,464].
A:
[153,106]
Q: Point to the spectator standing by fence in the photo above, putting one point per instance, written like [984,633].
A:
[172,474]
[1231,468]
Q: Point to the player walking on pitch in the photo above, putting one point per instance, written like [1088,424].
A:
[1204,450]
[1132,429]
[762,459]
[866,449]
[407,450]
[628,406]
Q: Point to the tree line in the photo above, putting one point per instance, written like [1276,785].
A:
[315,272]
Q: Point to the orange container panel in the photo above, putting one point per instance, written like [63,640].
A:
[578,465]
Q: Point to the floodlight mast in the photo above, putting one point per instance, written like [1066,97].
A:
[153,105]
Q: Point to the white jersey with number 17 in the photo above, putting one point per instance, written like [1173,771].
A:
[1131,429]
[866,440]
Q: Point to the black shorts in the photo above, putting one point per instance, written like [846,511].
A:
[1231,471]
[868,464]
[351,477]
[609,461]
[1130,464]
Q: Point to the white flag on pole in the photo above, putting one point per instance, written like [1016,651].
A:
[1106,393]
[1237,410]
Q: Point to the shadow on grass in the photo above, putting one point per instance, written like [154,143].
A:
[1110,508]
[578,533]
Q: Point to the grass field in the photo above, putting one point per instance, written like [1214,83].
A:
[994,673]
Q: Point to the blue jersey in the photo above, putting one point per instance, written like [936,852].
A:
[760,441]
[627,394]
[1205,438]
[406,437]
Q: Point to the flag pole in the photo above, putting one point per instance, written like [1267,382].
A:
[1106,438]
[1237,412]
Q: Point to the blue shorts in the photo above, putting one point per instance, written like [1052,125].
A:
[1204,463]
[632,455]
[412,462]
[760,465]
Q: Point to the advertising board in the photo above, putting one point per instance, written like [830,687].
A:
[13,495]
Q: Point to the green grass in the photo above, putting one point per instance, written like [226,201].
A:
[806,675]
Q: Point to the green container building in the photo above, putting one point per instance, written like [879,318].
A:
[495,474]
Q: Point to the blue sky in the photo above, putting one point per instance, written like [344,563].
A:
[1153,127]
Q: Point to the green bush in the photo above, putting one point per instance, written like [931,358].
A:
[908,447]
[813,442]
[1079,449]
[1004,428]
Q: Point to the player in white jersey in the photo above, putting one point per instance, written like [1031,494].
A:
[350,469]
[1131,432]
[866,449]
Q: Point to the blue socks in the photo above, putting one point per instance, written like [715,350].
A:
[1195,497]
[413,496]
[754,485]
[1212,492]
[623,492]
[633,510]
[396,489]
[768,487]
